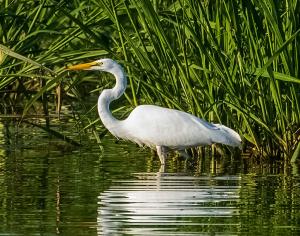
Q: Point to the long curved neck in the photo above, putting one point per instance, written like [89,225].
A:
[109,95]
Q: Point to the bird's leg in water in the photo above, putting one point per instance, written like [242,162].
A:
[184,154]
[162,154]
[186,157]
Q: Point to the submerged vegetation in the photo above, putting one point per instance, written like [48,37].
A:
[233,62]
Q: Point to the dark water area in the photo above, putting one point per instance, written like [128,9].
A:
[48,187]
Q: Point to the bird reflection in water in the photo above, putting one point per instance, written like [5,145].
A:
[166,203]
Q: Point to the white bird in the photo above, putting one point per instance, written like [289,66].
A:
[154,126]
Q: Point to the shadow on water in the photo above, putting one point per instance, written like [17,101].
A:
[48,187]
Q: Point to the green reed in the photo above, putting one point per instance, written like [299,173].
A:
[232,62]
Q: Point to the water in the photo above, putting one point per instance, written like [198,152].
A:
[170,204]
[48,187]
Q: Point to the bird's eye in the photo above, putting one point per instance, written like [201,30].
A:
[100,63]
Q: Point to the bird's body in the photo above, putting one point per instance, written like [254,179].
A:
[155,126]
[158,126]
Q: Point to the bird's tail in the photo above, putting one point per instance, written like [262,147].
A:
[226,136]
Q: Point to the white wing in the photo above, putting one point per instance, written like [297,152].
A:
[158,126]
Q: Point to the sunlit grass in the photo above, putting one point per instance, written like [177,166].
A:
[233,62]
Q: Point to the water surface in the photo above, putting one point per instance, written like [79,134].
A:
[48,187]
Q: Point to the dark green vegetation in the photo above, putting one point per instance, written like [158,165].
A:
[231,62]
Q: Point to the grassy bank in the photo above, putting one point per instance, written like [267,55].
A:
[230,62]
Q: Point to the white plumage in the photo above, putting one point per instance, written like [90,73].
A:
[155,126]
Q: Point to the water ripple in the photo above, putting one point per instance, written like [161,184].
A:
[169,204]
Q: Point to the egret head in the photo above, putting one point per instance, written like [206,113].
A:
[105,64]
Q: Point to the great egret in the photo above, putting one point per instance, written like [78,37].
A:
[156,127]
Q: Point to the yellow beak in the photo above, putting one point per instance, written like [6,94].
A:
[84,66]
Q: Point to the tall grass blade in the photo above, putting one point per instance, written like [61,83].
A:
[11,53]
